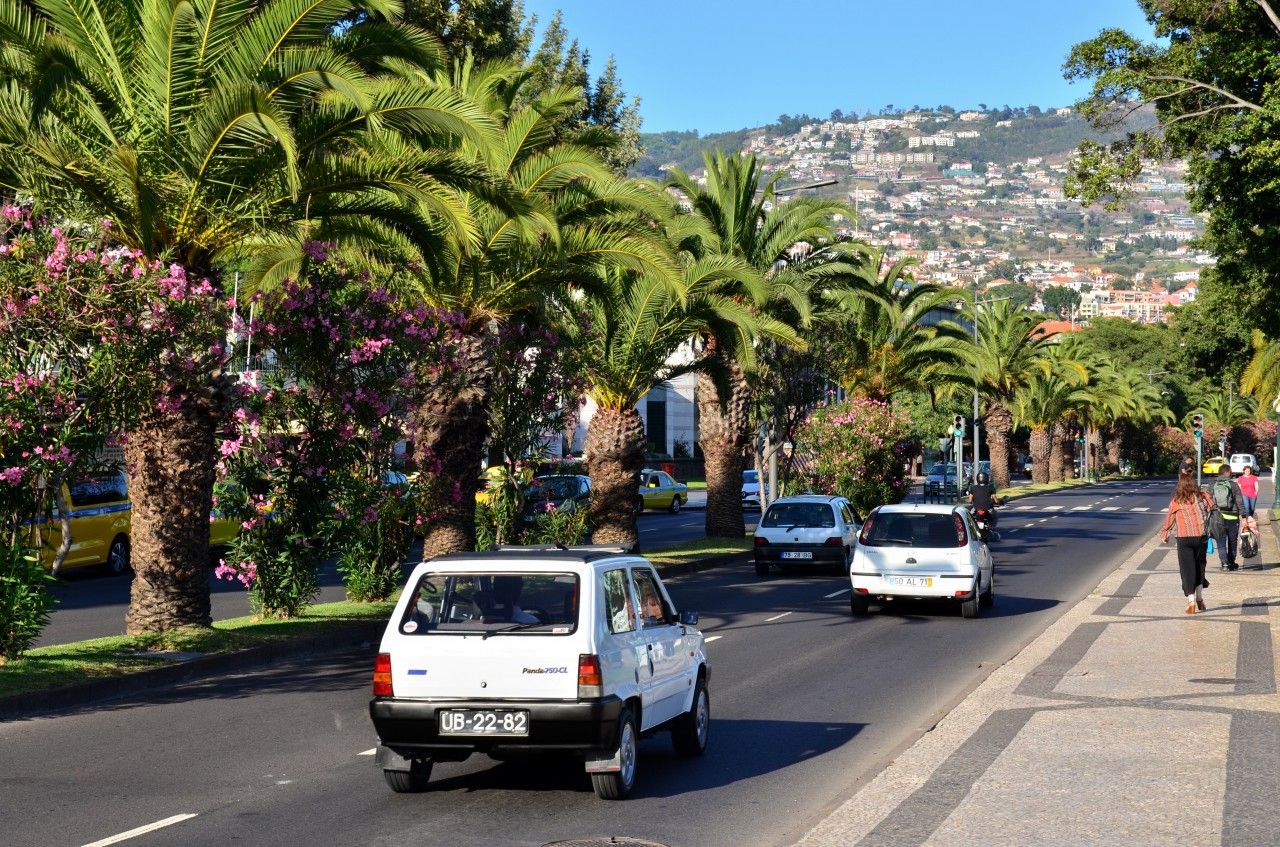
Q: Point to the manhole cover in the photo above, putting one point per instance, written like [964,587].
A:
[614,841]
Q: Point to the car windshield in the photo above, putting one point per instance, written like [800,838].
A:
[554,488]
[799,514]
[493,603]
[942,470]
[894,529]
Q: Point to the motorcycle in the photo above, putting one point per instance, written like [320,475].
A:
[986,521]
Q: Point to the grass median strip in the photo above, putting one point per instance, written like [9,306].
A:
[48,668]
[701,548]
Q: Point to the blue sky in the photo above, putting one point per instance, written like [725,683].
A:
[716,65]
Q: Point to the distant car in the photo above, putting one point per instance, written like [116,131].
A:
[1212,466]
[579,651]
[751,488]
[565,492]
[659,491]
[806,529]
[490,480]
[1240,461]
[921,551]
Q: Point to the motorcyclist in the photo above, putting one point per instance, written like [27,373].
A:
[983,496]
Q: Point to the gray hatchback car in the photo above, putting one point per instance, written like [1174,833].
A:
[805,530]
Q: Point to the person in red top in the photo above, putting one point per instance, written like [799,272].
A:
[1187,515]
[1248,482]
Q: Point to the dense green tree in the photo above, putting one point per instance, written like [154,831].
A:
[1019,293]
[485,29]
[1213,78]
[1059,299]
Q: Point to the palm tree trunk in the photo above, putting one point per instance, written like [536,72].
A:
[998,422]
[614,451]
[1040,455]
[453,425]
[1115,446]
[1055,453]
[724,433]
[171,459]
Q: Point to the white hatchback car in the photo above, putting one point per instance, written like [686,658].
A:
[1240,461]
[808,529]
[530,649]
[921,551]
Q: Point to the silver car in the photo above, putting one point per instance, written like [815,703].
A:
[806,530]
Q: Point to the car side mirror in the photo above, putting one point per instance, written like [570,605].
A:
[689,618]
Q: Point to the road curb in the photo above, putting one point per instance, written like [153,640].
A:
[709,563]
[89,692]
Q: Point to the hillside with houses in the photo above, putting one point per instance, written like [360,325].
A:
[977,198]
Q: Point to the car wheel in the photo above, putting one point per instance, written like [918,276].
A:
[859,605]
[118,556]
[762,568]
[989,596]
[675,505]
[617,785]
[971,608]
[412,781]
[689,734]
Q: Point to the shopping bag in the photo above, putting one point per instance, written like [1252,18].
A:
[1213,548]
[1248,545]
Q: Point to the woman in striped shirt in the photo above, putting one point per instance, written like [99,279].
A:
[1187,516]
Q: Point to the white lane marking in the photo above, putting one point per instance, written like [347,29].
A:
[1141,509]
[142,830]
[1110,508]
[1028,526]
[1052,508]
[1081,508]
[1042,520]
[711,638]
[776,617]
[836,593]
[369,752]
[1024,508]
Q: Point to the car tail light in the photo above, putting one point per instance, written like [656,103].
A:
[761,541]
[590,682]
[382,676]
[834,541]
[962,537]
[865,535]
[861,591]
[963,593]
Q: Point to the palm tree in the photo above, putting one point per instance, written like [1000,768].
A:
[736,215]
[1262,374]
[207,130]
[552,216]
[884,344]
[1050,393]
[632,329]
[1008,355]
[1221,409]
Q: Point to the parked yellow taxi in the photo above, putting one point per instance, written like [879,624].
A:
[101,520]
[659,491]
[1213,465]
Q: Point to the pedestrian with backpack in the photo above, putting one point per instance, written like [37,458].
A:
[1188,518]
[1230,502]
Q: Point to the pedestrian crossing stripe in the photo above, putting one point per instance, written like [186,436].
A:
[1052,508]
[1140,509]
[1024,508]
[1110,508]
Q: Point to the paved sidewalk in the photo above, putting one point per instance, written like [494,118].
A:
[1127,722]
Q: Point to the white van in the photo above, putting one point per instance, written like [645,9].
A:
[577,649]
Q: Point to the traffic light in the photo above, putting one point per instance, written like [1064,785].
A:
[1197,425]
[959,426]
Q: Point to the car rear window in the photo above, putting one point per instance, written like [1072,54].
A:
[896,529]
[749,476]
[493,603]
[799,514]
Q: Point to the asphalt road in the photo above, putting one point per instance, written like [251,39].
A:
[806,703]
[92,604]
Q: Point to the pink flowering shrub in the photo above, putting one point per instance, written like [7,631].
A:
[858,449]
[314,437]
[94,338]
